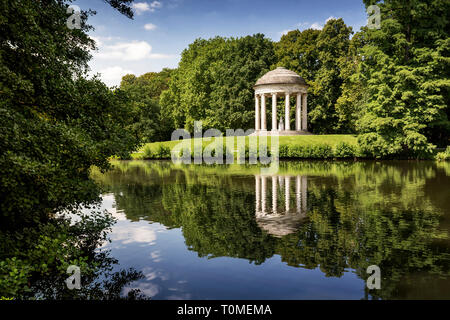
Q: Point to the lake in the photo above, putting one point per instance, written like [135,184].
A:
[310,231]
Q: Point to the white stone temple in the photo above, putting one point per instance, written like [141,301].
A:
[286,84]
[276,212]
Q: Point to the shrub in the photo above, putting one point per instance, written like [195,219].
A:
[163,152]
[442,156]
[322,151]
[345,150]
[148,152]
[296,151]
[284,151]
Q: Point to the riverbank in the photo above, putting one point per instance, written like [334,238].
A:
[291,147]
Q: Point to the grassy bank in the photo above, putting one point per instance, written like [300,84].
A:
[311,146]
[339,146]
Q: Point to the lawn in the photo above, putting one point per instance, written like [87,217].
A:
[304,141]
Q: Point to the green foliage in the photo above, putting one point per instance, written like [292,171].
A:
[345,150]
[333,45]
[214,82]
[406,74]
[54,126]
[318,56]
[319,151]
[148,152]
[54,123]
[441,156]
[149,124]
[162,152]
[42,255]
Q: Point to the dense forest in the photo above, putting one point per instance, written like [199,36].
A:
[389,86]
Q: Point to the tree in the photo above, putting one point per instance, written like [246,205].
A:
[297,51]
[317,56]
[349,106]
[149,124]
[214,82]
[406,67]
[54,126]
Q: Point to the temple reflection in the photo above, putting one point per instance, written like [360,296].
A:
[285,216]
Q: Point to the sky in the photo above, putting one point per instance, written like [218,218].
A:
[161,29]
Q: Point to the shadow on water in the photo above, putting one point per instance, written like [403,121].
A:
[335,217]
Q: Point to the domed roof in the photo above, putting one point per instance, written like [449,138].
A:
[280,76]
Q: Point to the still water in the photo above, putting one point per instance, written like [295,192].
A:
[308,232]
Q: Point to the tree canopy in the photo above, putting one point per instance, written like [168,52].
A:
[214,80]
[148,123]
[405,70]
[55,124]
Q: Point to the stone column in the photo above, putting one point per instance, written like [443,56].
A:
[274,194]
[287,109]
[304,193]
[263,194]
[287,194]
[257,119]
[274,112]
[257,194]
[305,112]
[298,108]
[298,193]
[263,112]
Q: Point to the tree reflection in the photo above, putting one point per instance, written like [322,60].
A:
[346,217]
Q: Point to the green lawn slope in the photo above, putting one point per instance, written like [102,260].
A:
[310,141]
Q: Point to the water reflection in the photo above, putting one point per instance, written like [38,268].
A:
[309,232]
[282,219]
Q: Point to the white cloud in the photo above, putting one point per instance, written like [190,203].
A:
[128,51]
[141,7]
[132,233]
[112,76]
[149,26]
[319,26]
[316,26]
[155,5]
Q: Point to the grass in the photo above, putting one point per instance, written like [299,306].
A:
[310,141]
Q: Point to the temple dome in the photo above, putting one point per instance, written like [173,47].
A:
[280,76]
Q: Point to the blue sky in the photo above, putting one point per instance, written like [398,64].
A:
[162,29]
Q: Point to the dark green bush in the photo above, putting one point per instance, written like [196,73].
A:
[284,151]
[345,150]
[322,151]
[148,152]
[163,152]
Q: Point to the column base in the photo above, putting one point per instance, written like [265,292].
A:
[281,133]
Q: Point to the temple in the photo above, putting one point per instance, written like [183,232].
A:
[286,84]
